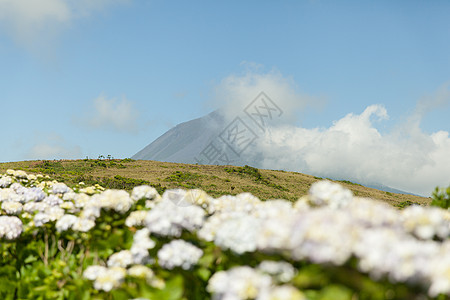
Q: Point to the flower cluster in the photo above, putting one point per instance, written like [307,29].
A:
[247,283]
[178,253]
[5,181]
[426,223]
[121,259]
[169,219]
[330,194]
[141,244]
[329,226]
[105,278]
[117,200]
[10,227]
[39,202]
[279,270]
[144,192]
[238,283]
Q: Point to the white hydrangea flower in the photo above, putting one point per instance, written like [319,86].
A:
[91,210]
[34,194]
[122,259]
[239,234]
[19,190]
[117,200]
[267,227]
[328,193]
[67,205]
[176,196]
[5,181]
[168,219]
[69,196]
[53,200]
[373,213]
[244,202]
[140,271]
[401,257]
[90,190]
[109,279]
[143,272]
[66,222]
[426,222]
[238,283]
[11,208]
[273,209]
[60,188]
[136,218]
[40,219]
[280,270]
[198,197]
[31,177]
[440,272]
[141,243]
[18,174]
[179,253]
[284,292]
[53,213]
[208,231]
[26,215]
[140,255]
[144,192]
[83,225]
[324,235]
[10,227]
[92,272]
[5,194]
[302,204]
[32,207]
[81,199]
[275,234]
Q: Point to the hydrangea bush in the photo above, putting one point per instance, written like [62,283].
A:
[60,242]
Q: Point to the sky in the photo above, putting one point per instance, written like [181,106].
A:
[367,81]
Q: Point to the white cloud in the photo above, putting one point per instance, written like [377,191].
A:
[235,92]
[352,148]
[112,114]
[438,100]
[53,146]
[35,23]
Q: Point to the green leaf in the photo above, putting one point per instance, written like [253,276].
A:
[30,259]
[204,274]
[173,290]
[335,292]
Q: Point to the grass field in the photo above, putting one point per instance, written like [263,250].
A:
[215,180]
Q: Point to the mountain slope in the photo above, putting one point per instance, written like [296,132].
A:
[183,142]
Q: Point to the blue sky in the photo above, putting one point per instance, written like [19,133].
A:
[85,78]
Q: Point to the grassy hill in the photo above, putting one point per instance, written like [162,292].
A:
[215,180]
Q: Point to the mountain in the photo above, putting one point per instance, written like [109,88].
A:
[385,188]
[184,142]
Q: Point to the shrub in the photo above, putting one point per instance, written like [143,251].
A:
[441,197]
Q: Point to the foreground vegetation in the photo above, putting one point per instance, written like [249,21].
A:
[83,241]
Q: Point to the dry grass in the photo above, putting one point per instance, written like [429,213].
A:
[216,180]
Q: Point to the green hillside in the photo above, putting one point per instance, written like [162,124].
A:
[215,180]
